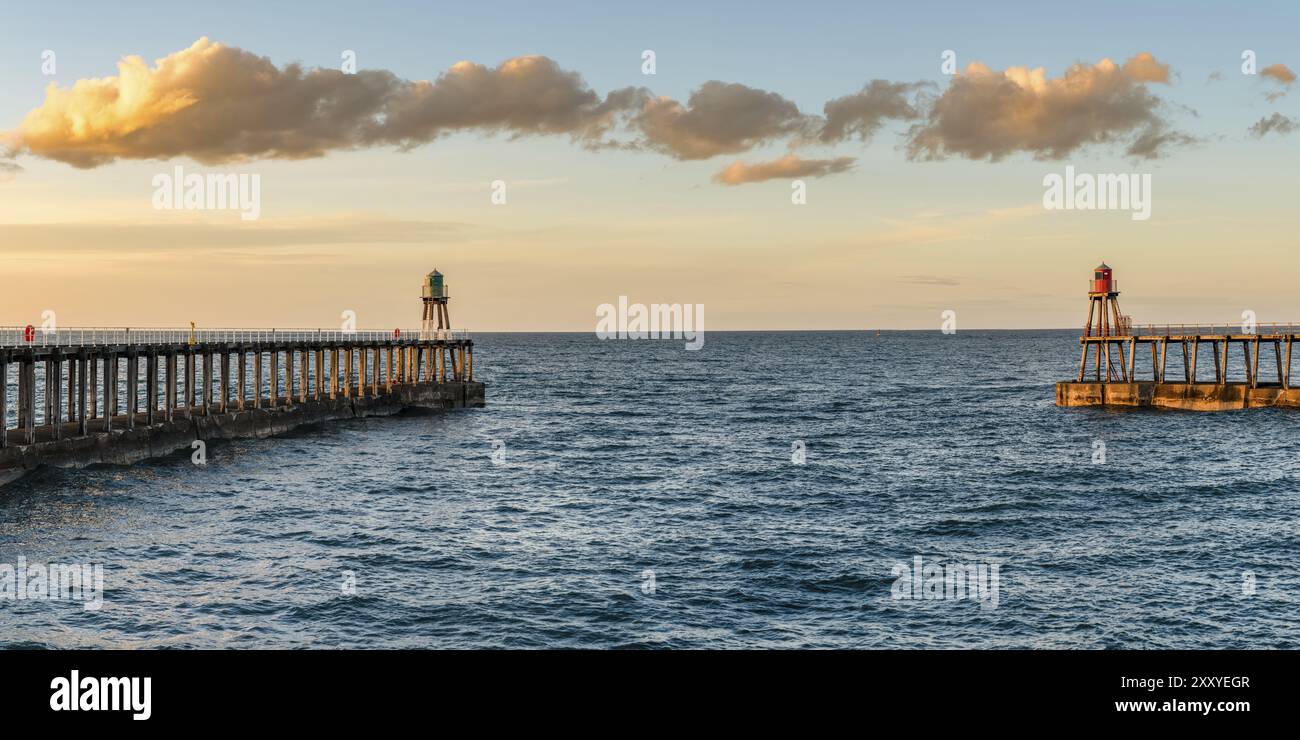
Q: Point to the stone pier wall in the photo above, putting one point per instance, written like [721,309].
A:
[124,447]
[1187,396]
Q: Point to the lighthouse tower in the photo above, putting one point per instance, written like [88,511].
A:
[436,322]
[1104,321]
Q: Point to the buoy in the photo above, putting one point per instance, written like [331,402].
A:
[29,334]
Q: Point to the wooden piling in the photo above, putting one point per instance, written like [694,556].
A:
[4,398]
[30,373]
[110,390]
[1286,375]
[56,391]
[94,384]
[274,385]
[83,362]
[151,391]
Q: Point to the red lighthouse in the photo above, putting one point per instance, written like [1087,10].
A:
[1104,320]
[1101,280]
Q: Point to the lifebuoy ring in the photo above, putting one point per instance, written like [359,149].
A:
[29,334]
[397,334]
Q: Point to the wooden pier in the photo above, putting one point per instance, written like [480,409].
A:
[1115,377]
[1119,379]
[85,396]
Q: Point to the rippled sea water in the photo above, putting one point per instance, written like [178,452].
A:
[533,522]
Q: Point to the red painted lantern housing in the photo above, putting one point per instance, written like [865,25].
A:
[1101,279]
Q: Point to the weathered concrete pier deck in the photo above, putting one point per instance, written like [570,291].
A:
[133,394]
[1118,384]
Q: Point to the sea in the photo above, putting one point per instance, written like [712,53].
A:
[769,490]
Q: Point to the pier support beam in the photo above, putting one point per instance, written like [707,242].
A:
[133,388]
[304,368]
[1277,355]
[274,386]
[1286,373]
[1250,367]
[224,406]
[257,379]
[207,383]
[4,398]
[110,390]
[169,395]
[334,373]
[29,373]
[83,365]
[151,390]
[191,389]
[361,372]
[320,373]
[54,391]
[242,383]
[288,377]
[348,372]
[72,388]
[1254,363]
[94,385]
[1159,371]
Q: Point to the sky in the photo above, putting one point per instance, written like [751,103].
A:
[922,195]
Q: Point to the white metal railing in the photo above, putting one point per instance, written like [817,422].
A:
[14,336]
[1237,329]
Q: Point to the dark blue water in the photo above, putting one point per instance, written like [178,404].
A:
[620,457]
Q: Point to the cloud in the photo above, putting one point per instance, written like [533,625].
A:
[1282,75]
[864,112]
[1155,142]
[986,114]
[928,280]
[718,118]
[8,170]
[789,166]
[1276,123]
[1143,67]
[1279,72]
[217,104]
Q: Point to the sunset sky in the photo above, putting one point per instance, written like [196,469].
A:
[924,190]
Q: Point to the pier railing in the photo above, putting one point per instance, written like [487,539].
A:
[1198,329]
[14,337]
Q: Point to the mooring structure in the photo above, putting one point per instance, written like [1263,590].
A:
[1110,373]
[75,397]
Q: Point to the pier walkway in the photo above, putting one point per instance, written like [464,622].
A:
[82,383]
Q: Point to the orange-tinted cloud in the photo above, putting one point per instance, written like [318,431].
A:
[216,103]
[1282,75]
[789,166]
[1279,72]
[987,114]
